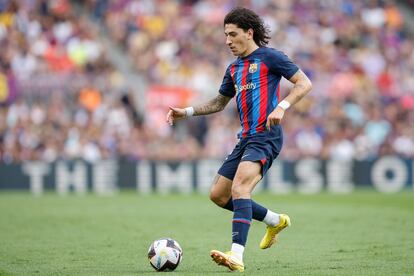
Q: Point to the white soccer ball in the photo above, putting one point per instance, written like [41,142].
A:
[165,254]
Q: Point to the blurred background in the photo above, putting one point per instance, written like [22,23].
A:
[86,82]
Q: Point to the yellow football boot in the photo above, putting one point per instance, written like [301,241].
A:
[270,236]
[228,260]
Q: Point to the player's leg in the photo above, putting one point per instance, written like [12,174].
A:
[220,194]
[246,178]
[266,149]
[260,213]
[275,222]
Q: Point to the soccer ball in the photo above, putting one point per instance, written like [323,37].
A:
[165,254]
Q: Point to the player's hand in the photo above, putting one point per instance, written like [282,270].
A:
[275,117]
[175,114]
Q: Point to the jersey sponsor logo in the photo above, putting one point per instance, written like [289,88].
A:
[247,86]
[253,68]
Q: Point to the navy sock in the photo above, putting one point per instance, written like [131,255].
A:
[242,218]
[259,212]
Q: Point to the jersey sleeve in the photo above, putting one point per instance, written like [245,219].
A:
[227,86]
[279,63]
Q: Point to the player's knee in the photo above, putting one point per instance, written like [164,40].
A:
[218,199]
[240,191]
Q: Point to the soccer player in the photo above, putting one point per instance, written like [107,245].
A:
[254,78]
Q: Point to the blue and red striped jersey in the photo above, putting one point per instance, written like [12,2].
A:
[255,80]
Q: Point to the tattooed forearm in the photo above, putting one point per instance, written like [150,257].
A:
[214,105]
[298,91]
[302,86]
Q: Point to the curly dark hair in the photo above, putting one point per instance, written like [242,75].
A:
[248,19]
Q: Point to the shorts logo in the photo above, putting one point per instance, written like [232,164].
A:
[253,68]
[245,156]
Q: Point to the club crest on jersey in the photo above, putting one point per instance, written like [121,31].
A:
[253,68]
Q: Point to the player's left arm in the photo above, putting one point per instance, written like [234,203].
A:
[301,87]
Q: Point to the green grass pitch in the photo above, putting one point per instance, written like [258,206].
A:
[364,233]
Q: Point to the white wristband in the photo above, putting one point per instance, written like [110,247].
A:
[284,104]
[189,111]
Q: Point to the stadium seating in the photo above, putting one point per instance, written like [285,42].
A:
[61,98]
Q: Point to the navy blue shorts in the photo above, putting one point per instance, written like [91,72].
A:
[261,147]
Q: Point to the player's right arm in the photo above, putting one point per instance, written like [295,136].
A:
[214,105]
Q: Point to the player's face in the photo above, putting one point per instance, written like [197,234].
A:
[237,39]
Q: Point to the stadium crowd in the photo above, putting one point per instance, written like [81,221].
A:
[65,100]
